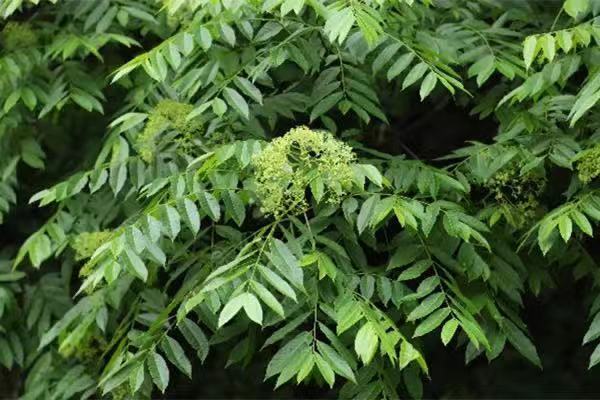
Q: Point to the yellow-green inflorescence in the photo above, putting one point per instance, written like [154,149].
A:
[17,36]
[588,165]
[166,114]
[88,349]
[297,160]
[86,243]
[518,191]
[121,392]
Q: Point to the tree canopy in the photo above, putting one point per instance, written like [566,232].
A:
[187,179]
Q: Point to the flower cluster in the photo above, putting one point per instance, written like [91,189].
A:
[86,243]
[18,35]
[518,191]
[299,159]
[88,349]
[588,165]
[166,114]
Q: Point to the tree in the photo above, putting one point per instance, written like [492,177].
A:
[221,189]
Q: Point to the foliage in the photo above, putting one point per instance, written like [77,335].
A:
[231,199]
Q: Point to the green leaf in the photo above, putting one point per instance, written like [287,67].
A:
[233,306]
[367,104]
[448,331]
[136,239]
[385,56]
[413,383]
[173,56]
[191,216]
[277,282]
[415,74]
[565,40]
[317,188]
[576,7]
[426,307]
[198,110]
[372,173]
[432,321]
[595,357]
[136,378]
[325,370]
[405,255]
[102,318]
[228,34]
[428,285]
[338,24]
[287,353]
[175,354]
[236,101]
[267,31]
[582,222]
[326,266]
[95,15]
[6,356]
[11,276]
[565,226]
[473,331]
[158,370]
[210,205]
[587,98]
[384,289]
[171,221]
[247,87]
[337,362]
[268,298]
[400,65]
[348,314]
[593,332]
[39,247]
[287,263]
[286,329]
[107,19]
[252,308]
[246,28]
[366,343]
[366,212]
[367,286]
[155,252]
[160,66]
[111,271]
[427,85]
[530,49]
[135,264]
[195,337]
[17,348]
[325,105]
[11,100]
[118,176]
[205,38]
[234,206]
[521,342]
[218,106]
[407,354]
[294,366]
[548,46]
[289,5]
[483,68]
[306,367]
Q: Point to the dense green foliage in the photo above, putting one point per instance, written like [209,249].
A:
[221,190]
